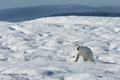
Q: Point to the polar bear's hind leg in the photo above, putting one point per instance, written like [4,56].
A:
[91,59]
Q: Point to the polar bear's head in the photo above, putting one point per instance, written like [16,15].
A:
[77,47]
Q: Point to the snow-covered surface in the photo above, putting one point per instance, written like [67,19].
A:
[43,49]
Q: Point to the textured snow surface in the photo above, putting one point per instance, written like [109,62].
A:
[43,49]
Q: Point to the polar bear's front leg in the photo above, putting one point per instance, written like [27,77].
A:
[76,57]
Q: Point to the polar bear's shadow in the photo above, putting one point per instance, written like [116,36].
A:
[108,62]
[104,62]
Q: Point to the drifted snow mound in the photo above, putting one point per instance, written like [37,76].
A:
[82,76]
[44,49]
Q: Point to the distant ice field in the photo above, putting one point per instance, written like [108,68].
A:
[44,48]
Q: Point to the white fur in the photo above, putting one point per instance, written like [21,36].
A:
[85,52]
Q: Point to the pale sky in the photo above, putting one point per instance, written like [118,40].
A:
[6,4]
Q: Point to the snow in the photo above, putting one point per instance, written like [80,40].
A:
[43,49]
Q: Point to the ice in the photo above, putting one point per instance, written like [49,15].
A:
[44,48]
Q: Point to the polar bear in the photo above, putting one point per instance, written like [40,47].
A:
[85,52]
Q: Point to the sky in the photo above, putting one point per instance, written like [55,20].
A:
[6,4]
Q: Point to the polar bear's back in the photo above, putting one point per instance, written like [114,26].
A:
[85,50]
